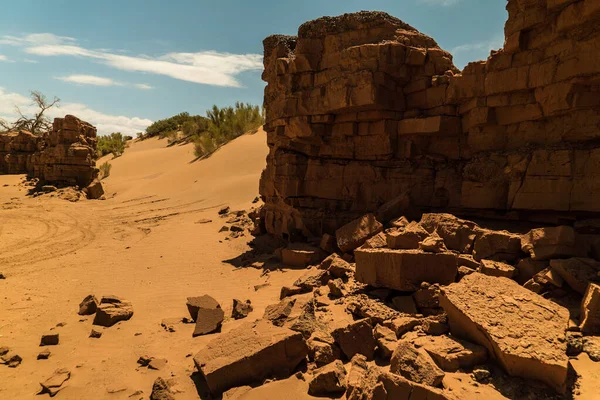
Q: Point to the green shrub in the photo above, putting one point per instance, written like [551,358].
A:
[105,170]
[114,143]
[204,145]
[162,127]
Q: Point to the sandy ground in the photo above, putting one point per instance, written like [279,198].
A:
[143,244]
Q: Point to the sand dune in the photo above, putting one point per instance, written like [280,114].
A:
[143,244]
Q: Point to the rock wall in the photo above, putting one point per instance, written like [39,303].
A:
[64,156]
[363,108]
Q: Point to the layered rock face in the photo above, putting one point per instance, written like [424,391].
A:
[363,108]
[65,156]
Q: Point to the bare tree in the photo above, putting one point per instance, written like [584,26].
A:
[39,123]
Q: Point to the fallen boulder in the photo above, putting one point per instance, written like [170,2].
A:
[404,270]
[527,268]
[161,390]
[88,306]
[301,255]
[111,310]
[497,268]
[590,310]
[577,272]
[356,338]
[355,233]
[451,353]
[95,190]
[496,245]
[337,267]
[433,244]
[416,365]
[548,243]
[327,380]
[322,349]
[386,340]
[458,234]
[194,304]
[406,238]
[249,354]
[524,332]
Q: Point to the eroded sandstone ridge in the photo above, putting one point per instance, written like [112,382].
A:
[362,109]
[65,156]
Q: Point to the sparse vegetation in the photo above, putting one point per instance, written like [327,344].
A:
[221,126]
[164,127]
[37,124]
[105,170]
[114,143]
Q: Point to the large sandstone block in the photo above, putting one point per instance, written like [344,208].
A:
[547,243]
[577,272]
[458,234]
[521,330]
[355,233]
[404,269]
[249,354]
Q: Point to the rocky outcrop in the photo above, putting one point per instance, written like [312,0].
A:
[64,156]
[362,109]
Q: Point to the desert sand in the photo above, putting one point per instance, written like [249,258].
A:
[142,243]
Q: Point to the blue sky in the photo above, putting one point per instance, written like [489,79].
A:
[122,64]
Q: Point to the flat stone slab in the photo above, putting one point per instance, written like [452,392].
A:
[523,331]
[249,354]
[404,270]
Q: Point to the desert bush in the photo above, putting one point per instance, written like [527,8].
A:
[105,170]
[163,127]
[114,143]
[204,145]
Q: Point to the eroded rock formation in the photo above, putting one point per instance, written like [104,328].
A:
[363,108]
[64,156]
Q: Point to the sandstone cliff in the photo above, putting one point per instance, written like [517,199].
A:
[64,156]
[363,108]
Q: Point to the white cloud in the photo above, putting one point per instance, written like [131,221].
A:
[485,46]
[444,3]
[205,67]
[106,123]
[89,80]
[3,58]
[27,60]
[99,81]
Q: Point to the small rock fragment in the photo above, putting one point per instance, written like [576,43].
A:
[44,355]
[241,309]
[95,334]
[50,339]
[88,306]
